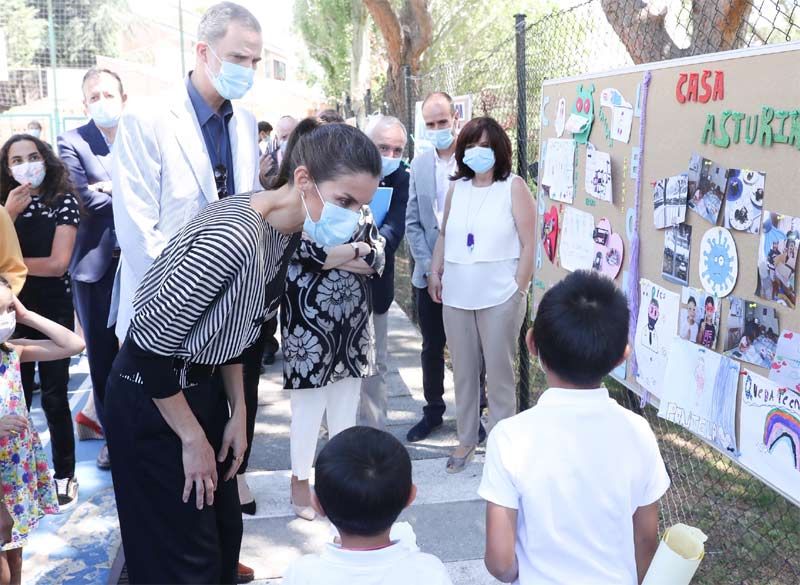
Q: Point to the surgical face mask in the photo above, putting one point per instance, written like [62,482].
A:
[335,225]
[479,158]
[232,81]
[8,322]
[29,172]
[389,165]
[284,144]
[35,132]
[441,139]
[106,112]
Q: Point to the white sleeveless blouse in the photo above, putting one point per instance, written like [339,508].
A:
[482,247]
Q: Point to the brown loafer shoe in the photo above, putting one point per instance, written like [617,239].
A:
[244,574]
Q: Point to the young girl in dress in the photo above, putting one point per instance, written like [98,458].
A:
[27,484]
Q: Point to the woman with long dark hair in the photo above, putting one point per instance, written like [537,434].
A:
[174,402]
[36,191]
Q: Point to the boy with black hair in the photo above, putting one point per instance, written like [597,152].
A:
[363,482]
[572,485]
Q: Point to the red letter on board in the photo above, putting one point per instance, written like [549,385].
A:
[679,88]
[706,95]
[691,94]
[719,85]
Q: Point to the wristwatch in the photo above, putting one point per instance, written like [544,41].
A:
[356,250]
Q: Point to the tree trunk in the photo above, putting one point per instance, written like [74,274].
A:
[715,27]
[360,53]
[407,36]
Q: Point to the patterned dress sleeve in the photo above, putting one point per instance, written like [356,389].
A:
[68,211]
[310,255]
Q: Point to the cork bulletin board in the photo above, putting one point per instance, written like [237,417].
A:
[738,113]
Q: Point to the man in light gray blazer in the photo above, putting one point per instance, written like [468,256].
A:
[172,161]
[430,181]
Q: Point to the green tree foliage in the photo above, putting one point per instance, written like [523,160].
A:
[83,29]
[326,28]
[468,29]
[24,32]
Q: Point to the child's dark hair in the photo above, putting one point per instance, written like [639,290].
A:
[709,301]
[363,480]
[581,328]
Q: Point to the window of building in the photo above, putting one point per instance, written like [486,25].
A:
[278,70]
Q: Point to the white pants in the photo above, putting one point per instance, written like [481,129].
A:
[339,400]
[374,400]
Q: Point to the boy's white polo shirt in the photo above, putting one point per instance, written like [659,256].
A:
[576,467]
[398,564]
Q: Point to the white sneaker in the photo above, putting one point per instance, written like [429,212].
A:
[67,492]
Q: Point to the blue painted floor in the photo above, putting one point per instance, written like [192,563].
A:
[80,545]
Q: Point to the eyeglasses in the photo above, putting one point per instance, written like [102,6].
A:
[221,179]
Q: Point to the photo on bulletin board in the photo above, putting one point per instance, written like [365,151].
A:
[677,249]
[785,368]
[744,200]
[753,331]
[707,185]
[777,259]
[699,317]
[669,201]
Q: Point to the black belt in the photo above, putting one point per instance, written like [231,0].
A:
[190,373]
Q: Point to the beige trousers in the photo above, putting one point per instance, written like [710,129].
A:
[495,332]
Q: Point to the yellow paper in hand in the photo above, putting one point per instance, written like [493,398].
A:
[678,556]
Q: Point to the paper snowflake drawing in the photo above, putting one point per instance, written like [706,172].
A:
[719,265]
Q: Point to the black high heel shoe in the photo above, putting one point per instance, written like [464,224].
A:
[249,508]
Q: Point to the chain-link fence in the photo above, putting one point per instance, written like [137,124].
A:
[46,46]
[754,533]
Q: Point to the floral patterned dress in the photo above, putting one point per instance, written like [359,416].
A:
[28,488]
[326,328]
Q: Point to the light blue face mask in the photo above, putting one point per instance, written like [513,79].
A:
[335,225]
[441,139]
[389,165]
[232,81]
[479,158]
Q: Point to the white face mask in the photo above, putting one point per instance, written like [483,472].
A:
[35,132]
[32,172]
[8,323]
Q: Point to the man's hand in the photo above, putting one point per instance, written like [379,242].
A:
[102,186]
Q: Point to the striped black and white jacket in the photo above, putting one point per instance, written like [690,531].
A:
[205,297]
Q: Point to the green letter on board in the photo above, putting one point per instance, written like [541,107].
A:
[764,128]
[708,131]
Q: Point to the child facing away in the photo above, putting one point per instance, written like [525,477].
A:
[572,485]
[363,482]
[28,487]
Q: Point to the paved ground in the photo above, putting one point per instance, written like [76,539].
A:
[447,516]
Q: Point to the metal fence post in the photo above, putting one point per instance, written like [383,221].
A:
[409,108]
[523,384]
[522,99]
[368,103]
[51,37]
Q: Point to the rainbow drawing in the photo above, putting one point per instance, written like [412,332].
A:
[780,424]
